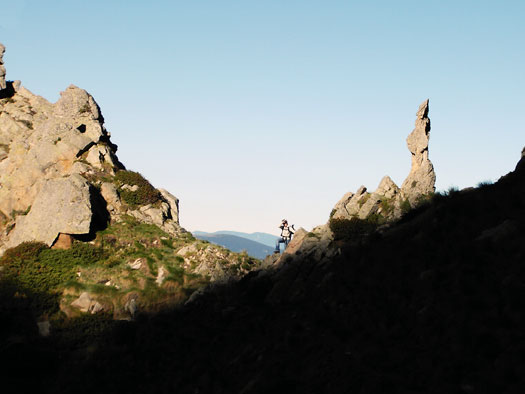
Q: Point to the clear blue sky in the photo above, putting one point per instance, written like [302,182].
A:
[252,111]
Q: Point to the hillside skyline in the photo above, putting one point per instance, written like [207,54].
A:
[252,113]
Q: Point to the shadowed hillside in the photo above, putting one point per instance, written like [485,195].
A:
[434,304]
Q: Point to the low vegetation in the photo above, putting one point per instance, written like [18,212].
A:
[127,260]
[144,194]
[354,228]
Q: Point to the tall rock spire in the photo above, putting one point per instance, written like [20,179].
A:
[422,178]
[2,68]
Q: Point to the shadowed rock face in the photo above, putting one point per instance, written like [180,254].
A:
[421,179]
[2,68]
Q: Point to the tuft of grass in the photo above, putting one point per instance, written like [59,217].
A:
[484,184]
[452,190]
[15,212]
[405,206]
[354,228]
[363,200]
[144,195]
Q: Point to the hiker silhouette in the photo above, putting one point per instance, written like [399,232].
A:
[286,235]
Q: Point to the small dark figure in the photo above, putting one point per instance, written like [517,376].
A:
[286,235]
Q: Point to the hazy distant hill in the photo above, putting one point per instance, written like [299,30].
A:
[262,238]
[237,243]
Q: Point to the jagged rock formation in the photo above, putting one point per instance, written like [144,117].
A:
[45,148]
[388,198]
[385,200]
[2,68]
[386,204]
[421,179]
[103,238]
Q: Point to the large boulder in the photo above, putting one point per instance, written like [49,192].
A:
[62,206]
[422,178]
[363,204]
[173,203]
[43,141]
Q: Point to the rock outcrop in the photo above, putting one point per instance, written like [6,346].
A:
[388,199]
[55,161]
[2,68]
[385,200]
[63,205]
[421,179]
[380,207]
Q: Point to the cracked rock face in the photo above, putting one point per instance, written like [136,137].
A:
[422,178]
[42,145]
[44,141]
[420,181]
[63,205]
[2,68]
[57,170]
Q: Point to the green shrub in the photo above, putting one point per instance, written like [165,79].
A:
[38,273]
[24,251]
[484,183]
[348,229]
[452,190]
[176,274]
[386,206]
[144,195]
[405,206]
[167,243]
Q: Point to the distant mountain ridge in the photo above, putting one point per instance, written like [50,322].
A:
[262,238]
[236,243]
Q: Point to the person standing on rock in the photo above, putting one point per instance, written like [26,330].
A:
[286,235]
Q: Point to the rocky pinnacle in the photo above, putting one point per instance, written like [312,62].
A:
[2,68]
[421,179]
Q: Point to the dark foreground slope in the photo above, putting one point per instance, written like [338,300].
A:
[434,305]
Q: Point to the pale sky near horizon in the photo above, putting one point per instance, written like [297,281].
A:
[252,111]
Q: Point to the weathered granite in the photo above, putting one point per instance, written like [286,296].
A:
[62,205]
[2,68]
[422,178]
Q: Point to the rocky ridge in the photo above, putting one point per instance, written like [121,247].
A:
[363,211]
[106,239]
[388,199]
[433,304]
[45,150]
